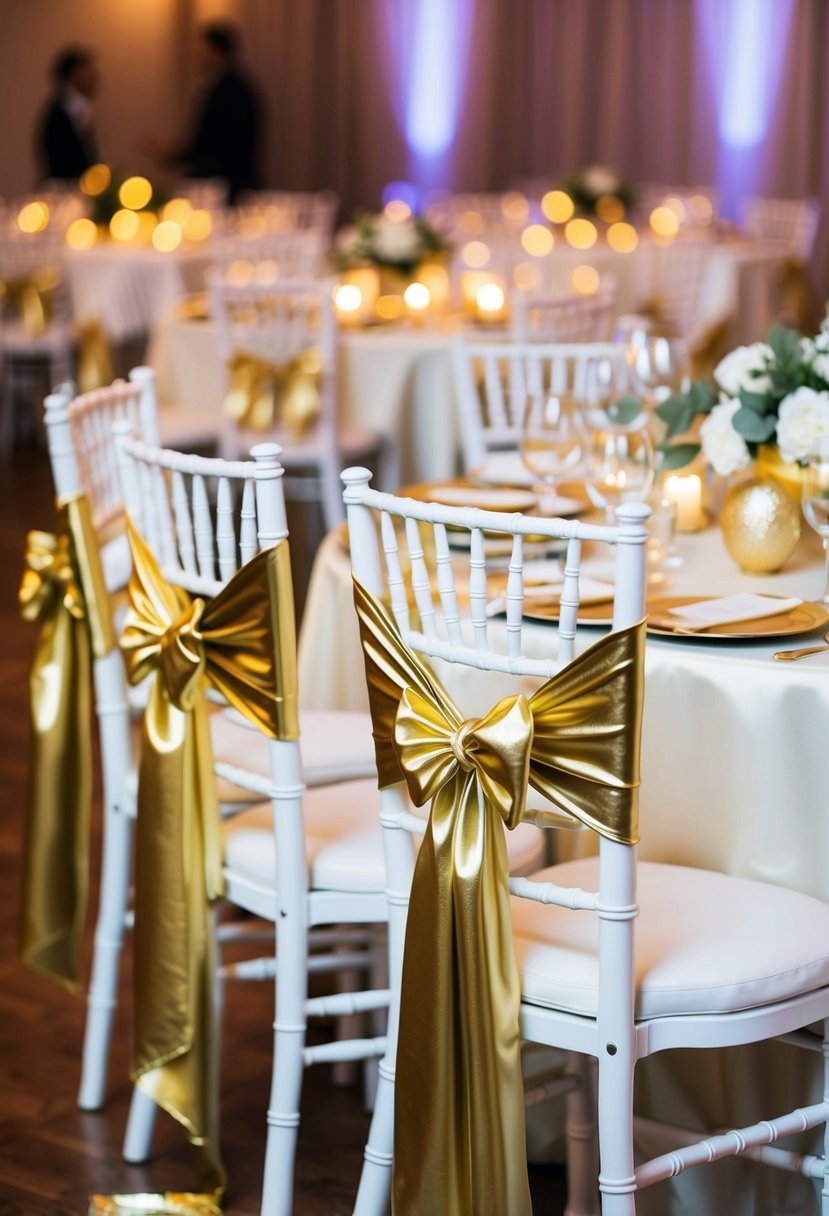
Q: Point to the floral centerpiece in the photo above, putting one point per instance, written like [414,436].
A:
[588,186]
[398,245]
[773,393]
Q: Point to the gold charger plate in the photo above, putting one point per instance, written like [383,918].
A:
[600,612]
[802,619]
[461,493]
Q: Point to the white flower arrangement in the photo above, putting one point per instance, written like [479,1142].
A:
[393,244]
[773,392]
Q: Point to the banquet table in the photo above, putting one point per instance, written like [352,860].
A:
[396,380]
[734,778]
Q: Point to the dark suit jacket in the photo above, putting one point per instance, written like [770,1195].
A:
[63,151]
[226,134]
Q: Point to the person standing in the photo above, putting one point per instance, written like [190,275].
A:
[225,133]
[65,140]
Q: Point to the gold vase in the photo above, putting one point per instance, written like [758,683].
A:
[760,525]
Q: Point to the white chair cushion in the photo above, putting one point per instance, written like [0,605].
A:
[336,745]
[343,840]
[705,943]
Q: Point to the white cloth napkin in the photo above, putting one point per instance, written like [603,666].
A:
[745,606]
[544,579]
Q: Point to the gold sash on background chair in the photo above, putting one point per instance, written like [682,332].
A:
[263,393]
[243,644]
[95,366]
[31,297]
[459,1107]
[62,588]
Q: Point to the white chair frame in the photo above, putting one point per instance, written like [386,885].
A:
[565,316]
[615,1037]
[510,372]
[195,556]
[793,220]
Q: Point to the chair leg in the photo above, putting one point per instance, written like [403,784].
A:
[138,1137]
[286,1086]
[616,1178]
[824,1194]
[109,938]
[375,1180]
[582,1157]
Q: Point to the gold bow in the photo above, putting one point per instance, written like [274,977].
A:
[31,296]
[94,356]
[62,588]
[262,393]
[242,643]
[459,1119]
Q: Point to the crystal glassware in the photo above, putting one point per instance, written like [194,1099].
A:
[553,440]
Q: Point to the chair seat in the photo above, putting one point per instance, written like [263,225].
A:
[183,428]
[705,943]
[336,745]
[343,838]
[57,339]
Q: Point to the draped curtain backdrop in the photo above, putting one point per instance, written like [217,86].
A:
[729,93]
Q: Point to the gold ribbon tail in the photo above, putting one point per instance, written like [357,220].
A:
[63,590]
[95,368]
[459,1123]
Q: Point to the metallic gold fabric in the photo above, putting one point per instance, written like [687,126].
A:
[31,296]
[62,588]
[171,1203]
[262,393]
[94,356]
[459,1118]
[242,643]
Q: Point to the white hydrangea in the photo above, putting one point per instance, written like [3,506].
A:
[745,367]
[802,418]
[724,448]
[396,240]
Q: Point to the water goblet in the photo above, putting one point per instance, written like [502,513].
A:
[815,500]
[553,441]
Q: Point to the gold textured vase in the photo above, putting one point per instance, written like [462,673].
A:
[760,525]
[770,466]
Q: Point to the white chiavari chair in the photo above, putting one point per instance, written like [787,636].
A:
[794,221]
[493,380]
[618,959]
[291,210]
[277,322]
[336,745]
[565,316]
[672,280]
[269,256]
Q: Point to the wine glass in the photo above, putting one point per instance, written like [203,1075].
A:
[815,497]
[620,465]
[553,440]
[658,366]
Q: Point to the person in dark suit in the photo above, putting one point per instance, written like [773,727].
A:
[225,132]
[66,143]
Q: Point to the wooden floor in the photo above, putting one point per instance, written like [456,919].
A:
[53,1156]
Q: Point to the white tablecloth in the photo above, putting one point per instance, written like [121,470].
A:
[129,289]
[735,774]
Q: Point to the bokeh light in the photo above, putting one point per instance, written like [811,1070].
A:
[610,209]
[490,298]
[96,179]
[585,280]
[167,236]
[581,233]
[417,297]
[81,234]
[622,237]
[33,217]
[135,193]
[537,240]
[198,225]
[664,223]
[557,206]
[178,210]
[515,207]
[124,225]
[348,298]
[475,254]
[527,276]
[396,209]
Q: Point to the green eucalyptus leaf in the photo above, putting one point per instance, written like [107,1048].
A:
[677,455]
[627,409]
[681,422]
[673,406]
[754,427]
[785,343]
[758,403]
[702,396]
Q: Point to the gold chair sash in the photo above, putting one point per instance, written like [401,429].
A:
[263,393]
[459,1108]
[95,367]
[31,296]
[63,589]
[243,644]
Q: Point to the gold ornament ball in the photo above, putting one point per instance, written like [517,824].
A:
[760,526]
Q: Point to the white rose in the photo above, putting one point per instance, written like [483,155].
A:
[803,417]
[598,179]
[815,353]
[723,447]
[824,325]
[396,240]
[746,367]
